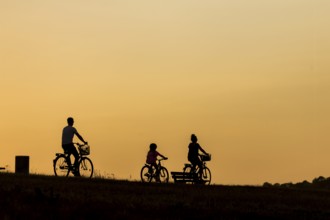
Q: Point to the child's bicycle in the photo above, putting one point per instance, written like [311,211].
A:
[204,177]
[85,165]
[151,174]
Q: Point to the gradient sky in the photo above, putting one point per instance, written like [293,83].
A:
[250,78]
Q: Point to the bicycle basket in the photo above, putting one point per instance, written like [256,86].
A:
[206,157]
[84,150]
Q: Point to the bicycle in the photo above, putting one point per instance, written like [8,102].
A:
[204,176]
[150,173]
[85,165]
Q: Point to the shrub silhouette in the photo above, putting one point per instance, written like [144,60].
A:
[318,182]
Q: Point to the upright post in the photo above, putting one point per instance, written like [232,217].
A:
[22,164]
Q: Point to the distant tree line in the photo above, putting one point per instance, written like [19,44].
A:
[319,182]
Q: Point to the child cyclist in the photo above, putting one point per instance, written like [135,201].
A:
[152,157]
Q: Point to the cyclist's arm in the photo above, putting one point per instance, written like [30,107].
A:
[80,137]
[162,156]
[202,150]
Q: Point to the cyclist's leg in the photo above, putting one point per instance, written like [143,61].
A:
[194,163]
[157,168]
[76,156]
[153,166]
[154,171]
[195,167]
[200,166]
[66,149]
[71,149]
[150,169]
[157,172]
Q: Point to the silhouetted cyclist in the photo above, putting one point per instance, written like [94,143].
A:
[152,157]
[67,142]
[193,157]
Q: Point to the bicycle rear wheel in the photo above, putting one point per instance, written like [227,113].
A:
[206,176]
[86,167]
[61,167]
[145,175]
[163,175]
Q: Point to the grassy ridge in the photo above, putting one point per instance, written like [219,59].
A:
[48,197]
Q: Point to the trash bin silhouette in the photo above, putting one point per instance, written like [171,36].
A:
[22,164]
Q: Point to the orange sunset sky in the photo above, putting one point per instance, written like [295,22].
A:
[250,78]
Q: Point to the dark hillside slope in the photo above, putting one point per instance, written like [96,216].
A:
[48,197]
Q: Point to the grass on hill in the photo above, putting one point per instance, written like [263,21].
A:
[49,197]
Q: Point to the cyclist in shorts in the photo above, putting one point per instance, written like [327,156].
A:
[67,142]
[152,157]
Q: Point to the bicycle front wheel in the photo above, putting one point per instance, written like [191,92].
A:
[206,176]
[163,175]
[86,167]
[145,175]
[61,167]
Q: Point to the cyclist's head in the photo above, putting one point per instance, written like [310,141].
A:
[153,146]
[70,121]
[193,138]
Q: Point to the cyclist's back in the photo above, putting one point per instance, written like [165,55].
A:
[67,134]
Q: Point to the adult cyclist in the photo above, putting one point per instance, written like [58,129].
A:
[67,143]
[193,153]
